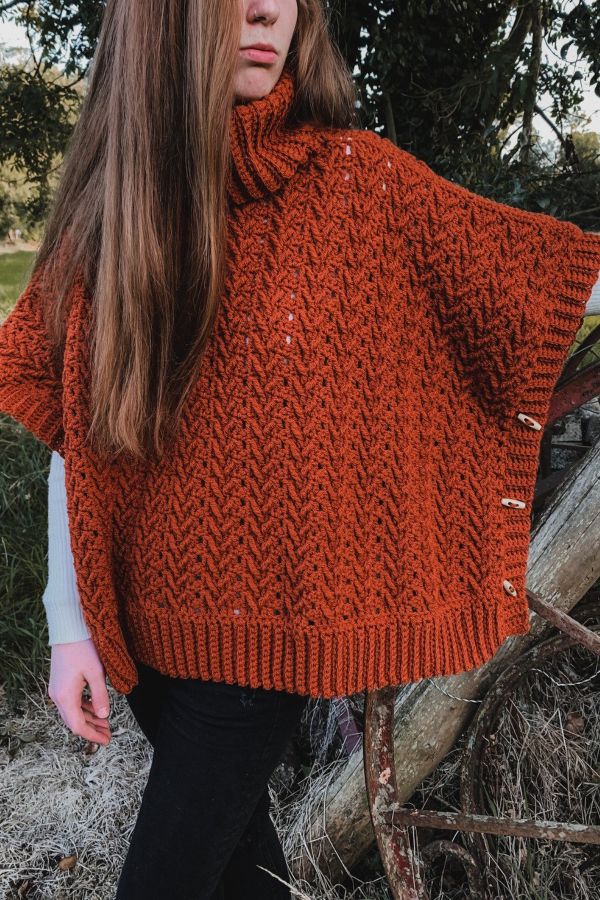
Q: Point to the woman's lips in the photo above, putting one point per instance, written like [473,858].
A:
[263,56]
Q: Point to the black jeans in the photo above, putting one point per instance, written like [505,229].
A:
[204,827]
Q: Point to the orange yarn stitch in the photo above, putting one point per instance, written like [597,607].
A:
[333,514]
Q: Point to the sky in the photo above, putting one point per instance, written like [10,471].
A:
[14,36]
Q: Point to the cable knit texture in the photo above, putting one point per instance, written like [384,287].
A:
[347,502]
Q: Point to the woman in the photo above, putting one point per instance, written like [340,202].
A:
[298,382]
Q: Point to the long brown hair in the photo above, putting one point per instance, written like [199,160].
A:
[141,203]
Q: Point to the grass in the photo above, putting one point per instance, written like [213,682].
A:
[14,271]
[23,526]
[23,556]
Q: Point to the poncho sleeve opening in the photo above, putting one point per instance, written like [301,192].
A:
[508,286]
[30,390]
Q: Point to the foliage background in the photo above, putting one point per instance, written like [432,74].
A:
[456,82]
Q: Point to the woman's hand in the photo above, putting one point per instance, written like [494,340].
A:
[73,666]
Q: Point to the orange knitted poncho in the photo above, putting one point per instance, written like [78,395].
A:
[347,501]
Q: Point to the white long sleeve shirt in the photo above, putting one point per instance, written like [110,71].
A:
[61,597]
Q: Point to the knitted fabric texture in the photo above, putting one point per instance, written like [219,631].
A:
[347,502]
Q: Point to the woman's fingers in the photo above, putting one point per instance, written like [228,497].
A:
[97,684]
[76,721]
[90,715]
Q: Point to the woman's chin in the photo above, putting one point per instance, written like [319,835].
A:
[255,80]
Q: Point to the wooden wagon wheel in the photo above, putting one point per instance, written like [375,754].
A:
[485,722]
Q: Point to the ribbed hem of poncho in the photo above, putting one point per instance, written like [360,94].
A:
[36,414]
[319,662]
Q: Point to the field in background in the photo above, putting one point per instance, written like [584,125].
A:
[14,269]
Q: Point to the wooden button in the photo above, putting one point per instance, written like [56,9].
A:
[527,420]
[509,587]
[514,504]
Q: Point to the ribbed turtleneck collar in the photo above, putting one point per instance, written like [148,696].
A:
[266,148]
